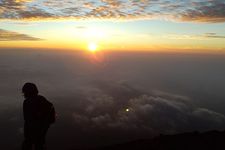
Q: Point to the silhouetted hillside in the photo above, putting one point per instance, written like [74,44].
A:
[211,140]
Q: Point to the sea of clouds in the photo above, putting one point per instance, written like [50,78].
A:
[113,97]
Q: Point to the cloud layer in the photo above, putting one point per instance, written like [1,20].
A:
[6,35]
[193,10]
[152,114]
[91,99]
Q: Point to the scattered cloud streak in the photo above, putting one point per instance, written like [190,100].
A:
[193,10]
[6,35]
[214,35]
[194,37]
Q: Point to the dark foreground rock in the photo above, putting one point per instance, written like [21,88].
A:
[211,140]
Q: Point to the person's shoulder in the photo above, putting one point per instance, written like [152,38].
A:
[25,101]
[40,97]
[43,99]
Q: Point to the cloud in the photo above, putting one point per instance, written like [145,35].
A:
[152,113]
[22,23]
[20,9]
[194,37]
[194,10]
[81,27]
[206,11]
[91,100]
[6,35]
[213,35]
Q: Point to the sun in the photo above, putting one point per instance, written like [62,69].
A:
[92,47]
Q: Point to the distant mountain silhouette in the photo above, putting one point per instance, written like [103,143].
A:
[211,140]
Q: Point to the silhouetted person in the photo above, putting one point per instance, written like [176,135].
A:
[38,114]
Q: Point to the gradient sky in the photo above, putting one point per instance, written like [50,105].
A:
[154,25]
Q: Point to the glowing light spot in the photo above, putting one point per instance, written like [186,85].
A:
[127,110]
[92,47]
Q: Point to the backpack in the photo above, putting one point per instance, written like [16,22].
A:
[52,115]
[48,114]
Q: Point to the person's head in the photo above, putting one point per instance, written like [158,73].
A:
[29,90]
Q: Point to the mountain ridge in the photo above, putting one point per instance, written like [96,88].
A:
[209,140]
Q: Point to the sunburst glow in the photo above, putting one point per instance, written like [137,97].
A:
[92,47]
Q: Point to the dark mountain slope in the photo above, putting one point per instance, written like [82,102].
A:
[211,140]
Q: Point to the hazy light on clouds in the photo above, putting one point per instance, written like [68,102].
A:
[194,10]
